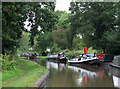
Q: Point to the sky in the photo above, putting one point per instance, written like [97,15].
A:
[63,5]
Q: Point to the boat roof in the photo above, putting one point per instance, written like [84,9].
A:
[117,56]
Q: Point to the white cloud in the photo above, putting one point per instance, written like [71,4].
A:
[63,5]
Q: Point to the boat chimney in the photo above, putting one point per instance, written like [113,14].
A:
[85,50]
[63,54]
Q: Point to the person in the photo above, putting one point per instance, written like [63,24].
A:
[44,54]
[33,56]
[82,54]
[94,54]
[35,53]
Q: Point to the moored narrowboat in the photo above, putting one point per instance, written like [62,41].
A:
[105,57]
[86,58]
[116,62]
[58,57]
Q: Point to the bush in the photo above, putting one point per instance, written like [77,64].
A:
[8,64]
[55,48]
[71,53]
[91,50]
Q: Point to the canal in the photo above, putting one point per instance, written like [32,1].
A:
[65,75]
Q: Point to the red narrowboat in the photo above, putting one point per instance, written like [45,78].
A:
[105,57]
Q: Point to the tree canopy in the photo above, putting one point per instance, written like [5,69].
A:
[95,22]
[12,18]
[15,13]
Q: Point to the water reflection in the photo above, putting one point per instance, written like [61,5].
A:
[116,81]
[57,66]
[63,75]
[115,73]
[84,75]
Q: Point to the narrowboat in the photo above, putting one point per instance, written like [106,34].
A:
[25,55]
[105,57]
[116,62]
[85,58]
[59,57]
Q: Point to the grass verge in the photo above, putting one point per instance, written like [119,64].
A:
[42,56]
[25,76]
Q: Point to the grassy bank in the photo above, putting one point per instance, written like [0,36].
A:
[42,56]
[24,76]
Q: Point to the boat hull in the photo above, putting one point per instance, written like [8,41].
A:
[116,66]
[116,62]
[64,60]
[90,62]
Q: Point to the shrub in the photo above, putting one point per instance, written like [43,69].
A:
[8,64]
[55,48]
[71,53]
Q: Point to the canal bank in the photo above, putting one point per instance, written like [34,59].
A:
[42,80]
[25,76]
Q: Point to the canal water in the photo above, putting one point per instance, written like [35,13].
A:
[65,75]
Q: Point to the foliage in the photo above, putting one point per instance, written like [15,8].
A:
[13,16]
[41,16]
[92,51]
[71,53]
[7,64]
[93,21]
[60,36]
[113,42]
[54,48]
[59,13]
[43,41]
[63,21]
[24,42]
[77,43]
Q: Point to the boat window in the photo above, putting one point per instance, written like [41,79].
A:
[114,58]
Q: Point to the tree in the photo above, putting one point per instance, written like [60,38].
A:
[59,13]
[24,41]
[63,21]
[13,16]
[44,41]
[60,37]
[41,14]
[93,21]
[63,26]
[77,43]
